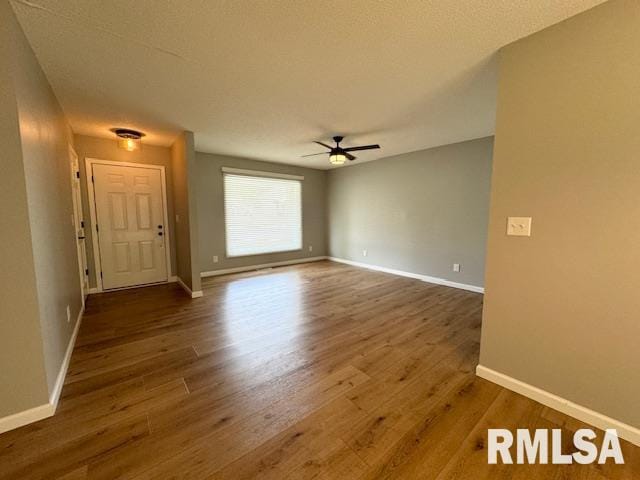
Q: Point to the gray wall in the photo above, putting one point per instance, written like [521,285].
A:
[420,212]
[107,149]
[183,160]
[211,211]
[22,375]
[47,281]
[562,310]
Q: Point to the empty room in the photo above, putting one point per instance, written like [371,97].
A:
[320,239]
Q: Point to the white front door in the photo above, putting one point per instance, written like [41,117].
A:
[130,223]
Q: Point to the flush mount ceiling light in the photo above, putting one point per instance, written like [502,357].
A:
[128,139]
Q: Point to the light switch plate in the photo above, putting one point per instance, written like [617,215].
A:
[519,226]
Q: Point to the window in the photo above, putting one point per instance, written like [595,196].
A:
[262,214]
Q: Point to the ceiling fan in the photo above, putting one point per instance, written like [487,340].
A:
[339,155]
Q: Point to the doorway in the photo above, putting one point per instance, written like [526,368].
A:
[129,217]
[78,222]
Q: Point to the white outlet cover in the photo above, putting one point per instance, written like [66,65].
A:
[364,253]
[215,259]
[311,248]
[456,267]
[519,226]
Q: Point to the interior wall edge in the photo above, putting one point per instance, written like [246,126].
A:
[185,287]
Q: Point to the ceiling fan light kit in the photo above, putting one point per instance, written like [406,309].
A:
[337,159]
[339,155]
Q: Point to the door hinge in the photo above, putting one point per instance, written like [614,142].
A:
[100,274]
[81,223]
[78,174]
[91,178]
[86,272]
[97,228]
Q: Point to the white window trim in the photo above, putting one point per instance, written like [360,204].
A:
[258,173]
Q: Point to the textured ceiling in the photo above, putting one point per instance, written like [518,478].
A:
[264,78]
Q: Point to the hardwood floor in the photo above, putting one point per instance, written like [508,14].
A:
[315,371]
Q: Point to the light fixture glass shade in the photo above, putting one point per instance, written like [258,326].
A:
[129,144]
[337,159]
[128,139]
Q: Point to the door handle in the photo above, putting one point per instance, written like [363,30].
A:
[81,238]
[160,234]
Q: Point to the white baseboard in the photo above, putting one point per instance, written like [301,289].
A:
[172,279]
[226,271]
[32,415]
[93,290]
[584,414]
[54,396]
[196,294]
[417,276]
[48,409]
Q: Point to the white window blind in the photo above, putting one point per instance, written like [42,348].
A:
[262,214]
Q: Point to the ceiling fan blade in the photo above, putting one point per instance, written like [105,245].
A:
[349,156]
[364,147]
[324,145]
[313,154]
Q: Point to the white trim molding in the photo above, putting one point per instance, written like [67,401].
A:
[26,417]
[192,294]
[46,410]
[417,276]
[57,388]
[258,173]
[248,268]
[584,414]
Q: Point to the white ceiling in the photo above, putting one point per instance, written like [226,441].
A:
[264,78]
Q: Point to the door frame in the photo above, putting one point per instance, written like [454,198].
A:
[76,187]
[89,163]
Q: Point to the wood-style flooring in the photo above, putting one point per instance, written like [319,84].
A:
[317,371]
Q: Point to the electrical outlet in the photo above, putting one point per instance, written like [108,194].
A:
[456,267]
[311,248]
[68,314]
[215,259]
[177,218]
[364,253]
